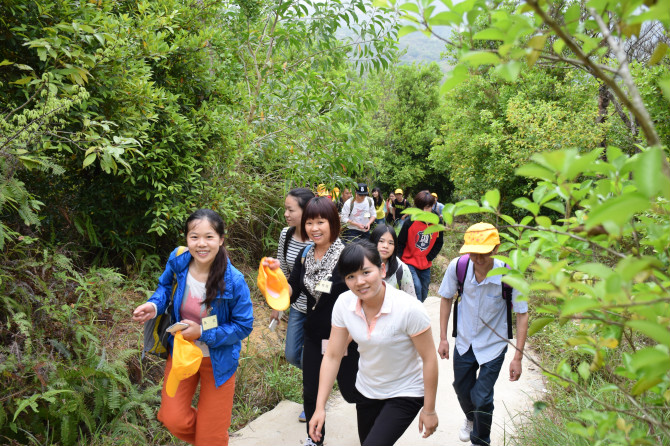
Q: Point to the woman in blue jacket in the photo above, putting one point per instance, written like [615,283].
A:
[212,298]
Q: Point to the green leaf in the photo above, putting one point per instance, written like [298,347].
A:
[579,305]
[426,217]
[477,58]
[532,170]
[648,176]
[538,324]
[595,270]
[664,84]
[407,29]
[543,221]
[409,7]
[455,77]
[509,71]
[5,62]
[517,282]
[655,331]
[658,54]
[492,197]
[89,159]
[618,210]
[433,228]
[525,203]
[558,46]
[23,81]
[489,34]
[445,18]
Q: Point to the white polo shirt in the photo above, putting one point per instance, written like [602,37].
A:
[481,304]
[389,365]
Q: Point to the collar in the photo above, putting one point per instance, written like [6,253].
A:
[387,305]
[496,280]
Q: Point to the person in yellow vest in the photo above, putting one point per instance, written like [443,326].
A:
[380,206]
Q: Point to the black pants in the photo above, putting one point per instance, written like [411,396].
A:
[311,366]
[352,235]
[382,422]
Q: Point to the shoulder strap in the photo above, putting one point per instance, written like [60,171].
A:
[289,235]
[462,266]
[398,275]
[351,206]
[372,202]
[507,295]
[305,251]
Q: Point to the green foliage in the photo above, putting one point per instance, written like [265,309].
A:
[64,387]
[403,127]
[492,127]
[604,264]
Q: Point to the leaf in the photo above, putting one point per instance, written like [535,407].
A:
[658,54]
[664,84]
[492,197]
[618,210]
[489,34]
[509,71]
[409,7]
[455,77]
[23,81]
[525,203]
[543,221]
[433,228]
[648,176]
[532,170]
[579,305]
[655,331]
[477,58]
[89,159]
[5,62]
[517,282]
[445,18]
[538,324]
[407,29]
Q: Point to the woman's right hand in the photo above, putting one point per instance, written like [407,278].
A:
[316,424]
[271,263]
[275,315]
[144,312]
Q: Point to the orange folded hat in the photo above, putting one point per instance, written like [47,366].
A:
[274,286]
[186,359]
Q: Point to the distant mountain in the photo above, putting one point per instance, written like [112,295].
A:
[423,49]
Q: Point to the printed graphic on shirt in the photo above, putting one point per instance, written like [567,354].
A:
[422,241]
[192,307]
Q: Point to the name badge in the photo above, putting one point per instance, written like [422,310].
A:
[324,286]
[366,215]
[209,322]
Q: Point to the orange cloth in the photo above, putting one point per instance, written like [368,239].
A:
[208,424]
[274,287]
[186,357]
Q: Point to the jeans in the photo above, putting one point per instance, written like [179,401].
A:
[379,221]
[475,393]
[421,278]
[295,337]
[353,235]
[382,422]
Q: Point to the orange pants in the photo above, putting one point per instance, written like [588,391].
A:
[208,424]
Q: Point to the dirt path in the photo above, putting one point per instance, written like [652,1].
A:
[280,426]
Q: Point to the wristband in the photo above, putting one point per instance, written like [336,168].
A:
[428,413]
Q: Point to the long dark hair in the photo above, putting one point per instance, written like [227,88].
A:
[302,195]
[392,262]
[353,257]
[379,199]
[215,283]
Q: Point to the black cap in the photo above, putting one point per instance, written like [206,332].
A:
[362,189]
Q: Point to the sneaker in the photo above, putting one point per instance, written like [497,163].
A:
[464,432]
[303,419]
[309,442]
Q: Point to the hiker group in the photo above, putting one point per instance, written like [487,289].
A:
[355,271]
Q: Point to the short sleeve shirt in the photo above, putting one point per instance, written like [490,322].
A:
[360,213]
[389,364]
[481,304]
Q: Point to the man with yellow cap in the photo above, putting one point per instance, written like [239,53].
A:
[482,319]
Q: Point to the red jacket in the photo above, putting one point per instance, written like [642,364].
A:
[415,248]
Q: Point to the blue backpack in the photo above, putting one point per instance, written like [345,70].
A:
[461,271]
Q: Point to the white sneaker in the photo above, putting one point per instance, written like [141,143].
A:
[464,432]
[309,442]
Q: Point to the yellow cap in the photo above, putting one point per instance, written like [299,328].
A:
[186,359]
[434,194]
[480,238]
[398,191]
[321,190]
[274,287]
[336,190]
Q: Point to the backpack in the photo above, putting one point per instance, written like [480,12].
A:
[351,204]
[155,336]
[461,271]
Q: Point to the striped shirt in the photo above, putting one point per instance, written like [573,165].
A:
[286,263]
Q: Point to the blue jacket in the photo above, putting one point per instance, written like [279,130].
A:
[233,310]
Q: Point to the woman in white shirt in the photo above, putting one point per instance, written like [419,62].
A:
[397,374]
